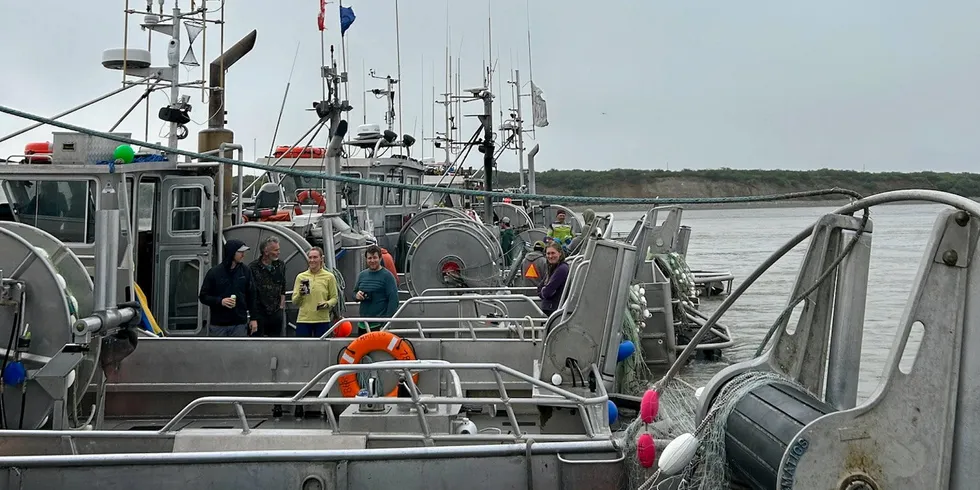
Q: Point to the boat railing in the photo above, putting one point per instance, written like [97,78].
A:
[493,291]
[496,301]
[719,330]
[592,410]
[519,326]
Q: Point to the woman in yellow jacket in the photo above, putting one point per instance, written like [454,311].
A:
[315,292]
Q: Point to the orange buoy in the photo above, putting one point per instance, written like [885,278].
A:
[343,329]
[398,348]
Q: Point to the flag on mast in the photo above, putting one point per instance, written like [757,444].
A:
[539,108]
[321,18]
[347,18]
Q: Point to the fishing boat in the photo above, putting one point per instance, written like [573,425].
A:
[469,384]
[524,405]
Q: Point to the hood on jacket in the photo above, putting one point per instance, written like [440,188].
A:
[231,248]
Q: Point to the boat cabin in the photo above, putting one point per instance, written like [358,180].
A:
[379,211]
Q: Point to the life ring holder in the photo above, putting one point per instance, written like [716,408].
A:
[321,203]
[398,348]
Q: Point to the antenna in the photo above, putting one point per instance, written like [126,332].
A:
[530,62]
[389,93]
[398,61]
[135,62]
[422,105]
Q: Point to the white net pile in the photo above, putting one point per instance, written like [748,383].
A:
[708,469]
[633,374]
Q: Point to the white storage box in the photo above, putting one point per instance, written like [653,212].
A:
[82,148]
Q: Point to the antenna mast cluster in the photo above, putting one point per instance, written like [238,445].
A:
[135,62]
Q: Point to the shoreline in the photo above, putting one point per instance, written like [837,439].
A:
[828,203]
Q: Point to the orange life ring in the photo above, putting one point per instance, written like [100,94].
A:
[398,348]
[321,203]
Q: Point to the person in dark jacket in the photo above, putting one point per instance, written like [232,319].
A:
[551,288]
[507,241]
[229,291]
[269,277]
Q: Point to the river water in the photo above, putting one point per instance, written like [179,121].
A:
[738,240]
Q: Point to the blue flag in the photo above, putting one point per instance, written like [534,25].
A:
[347,18]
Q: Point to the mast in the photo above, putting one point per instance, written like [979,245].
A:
[398,60]
[488,151]
[422,105]
[332,108]
[519,119]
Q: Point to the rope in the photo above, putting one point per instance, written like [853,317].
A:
[423,188]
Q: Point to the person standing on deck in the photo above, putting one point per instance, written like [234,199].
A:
[560,230]
[550,290]
[228,289]
[269,275]
[507,240]
[377,290]
[315,292]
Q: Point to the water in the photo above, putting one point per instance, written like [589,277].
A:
[738,240]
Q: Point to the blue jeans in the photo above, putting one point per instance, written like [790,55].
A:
[312,329]
[228,331]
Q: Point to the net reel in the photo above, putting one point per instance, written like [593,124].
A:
[46,288]
[790,419]
[456,252]
[416,225]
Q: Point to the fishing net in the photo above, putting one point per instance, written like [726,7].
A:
[633,374]
[678,406]
[708,469]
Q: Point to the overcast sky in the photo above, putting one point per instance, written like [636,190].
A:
[751,84]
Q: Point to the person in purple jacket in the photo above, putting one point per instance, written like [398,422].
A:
[551,288]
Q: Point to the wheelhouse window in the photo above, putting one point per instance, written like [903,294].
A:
[294,184]
[63,208]
[394,195]
[184,278]
[187,209]
[411,197]
[146,203]
[378,194]
[352,191]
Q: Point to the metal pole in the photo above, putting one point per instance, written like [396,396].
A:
[531,185]
[520,129]
[221,205]
[488,155]
[398,58]
[172,140]
[847,326]
[107,239]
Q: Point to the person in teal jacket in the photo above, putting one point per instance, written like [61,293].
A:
[376,290]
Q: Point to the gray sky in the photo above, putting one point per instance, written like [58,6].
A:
[879,85]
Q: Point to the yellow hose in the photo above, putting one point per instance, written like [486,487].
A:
[145,305]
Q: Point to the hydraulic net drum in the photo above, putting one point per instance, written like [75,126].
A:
[416,225]
[453,253]
[57,290]
[763,427]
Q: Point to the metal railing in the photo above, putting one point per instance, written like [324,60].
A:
[590,409]
[518,291]
[518,325]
